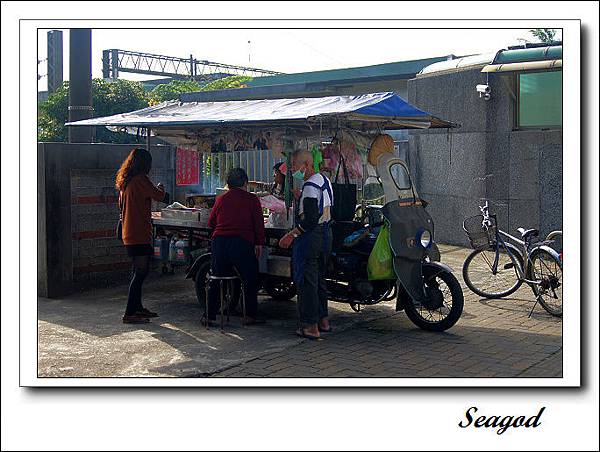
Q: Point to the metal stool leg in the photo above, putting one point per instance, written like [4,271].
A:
[226,294]
[228,297]
[206,288]
[221,288]
[243,297]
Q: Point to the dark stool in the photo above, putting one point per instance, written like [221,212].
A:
[226,292]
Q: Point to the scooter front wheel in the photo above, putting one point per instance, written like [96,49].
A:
[445,302]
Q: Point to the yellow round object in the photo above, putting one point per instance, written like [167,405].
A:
[382,144]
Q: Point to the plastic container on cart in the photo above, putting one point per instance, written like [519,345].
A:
[182,251]
[203,215]
[161,248]
[262,262]
[173,249]
[280,220]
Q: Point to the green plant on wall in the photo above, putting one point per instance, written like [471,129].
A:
[545,35]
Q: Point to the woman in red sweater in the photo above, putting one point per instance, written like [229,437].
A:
[136,192]
[237,239]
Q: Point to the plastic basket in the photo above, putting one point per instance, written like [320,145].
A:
[480,237]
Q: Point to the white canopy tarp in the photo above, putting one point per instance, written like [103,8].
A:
[384,110]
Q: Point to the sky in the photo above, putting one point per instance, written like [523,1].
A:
[289,50]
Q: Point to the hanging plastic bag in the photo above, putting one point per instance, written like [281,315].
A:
[317,156]
[380,265]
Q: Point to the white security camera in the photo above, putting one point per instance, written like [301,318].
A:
[484,91]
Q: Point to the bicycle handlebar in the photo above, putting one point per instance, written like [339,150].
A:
[552,236]
[486,214]
[484,209]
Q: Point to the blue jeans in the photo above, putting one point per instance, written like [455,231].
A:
[311,255]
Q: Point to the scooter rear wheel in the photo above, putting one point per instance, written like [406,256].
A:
[280,289]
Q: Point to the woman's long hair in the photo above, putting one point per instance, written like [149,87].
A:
[139,161]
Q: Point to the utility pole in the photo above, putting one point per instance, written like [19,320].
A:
[55,60]
[80,83]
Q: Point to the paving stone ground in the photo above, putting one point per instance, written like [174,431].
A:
[82,335]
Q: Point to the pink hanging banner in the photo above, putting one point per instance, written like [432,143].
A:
[187,167]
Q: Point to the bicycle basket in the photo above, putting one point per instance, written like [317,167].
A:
[479,236]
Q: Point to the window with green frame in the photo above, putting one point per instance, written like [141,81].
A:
[540,99]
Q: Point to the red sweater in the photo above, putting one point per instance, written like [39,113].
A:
[238,213]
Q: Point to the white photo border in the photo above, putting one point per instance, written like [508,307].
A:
[571,209]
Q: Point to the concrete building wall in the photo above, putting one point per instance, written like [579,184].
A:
[78,214]
[398,86]
[518,171]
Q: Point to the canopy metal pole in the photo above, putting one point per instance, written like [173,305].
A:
[204,174]
[148,139]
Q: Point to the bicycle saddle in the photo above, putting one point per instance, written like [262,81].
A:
[526,233]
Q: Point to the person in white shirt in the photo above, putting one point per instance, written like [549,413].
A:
[311,241]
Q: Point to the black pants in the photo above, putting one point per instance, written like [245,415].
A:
[312,288]
[229,253]
[141,265]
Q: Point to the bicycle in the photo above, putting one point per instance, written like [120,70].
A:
[496,268]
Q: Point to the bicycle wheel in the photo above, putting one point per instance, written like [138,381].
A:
[547,268]
[479,277]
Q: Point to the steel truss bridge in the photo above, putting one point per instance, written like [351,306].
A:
[115,61]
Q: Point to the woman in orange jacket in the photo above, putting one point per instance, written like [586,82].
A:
[136,192]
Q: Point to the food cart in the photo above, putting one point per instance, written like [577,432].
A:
[341,129]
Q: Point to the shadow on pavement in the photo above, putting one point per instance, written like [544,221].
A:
[83,335]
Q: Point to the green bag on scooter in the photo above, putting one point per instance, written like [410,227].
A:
[380,264]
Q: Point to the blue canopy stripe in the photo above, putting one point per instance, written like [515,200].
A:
[394,106]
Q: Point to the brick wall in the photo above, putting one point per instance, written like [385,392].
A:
[98,256]
[94,215]
[78,214]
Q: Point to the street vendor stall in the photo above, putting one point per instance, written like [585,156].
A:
[346,137]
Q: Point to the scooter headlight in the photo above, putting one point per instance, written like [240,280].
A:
[424,238]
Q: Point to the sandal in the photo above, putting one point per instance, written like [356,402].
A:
[135,319]
[146,313]
[301,333]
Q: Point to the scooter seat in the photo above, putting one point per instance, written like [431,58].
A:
[526,233]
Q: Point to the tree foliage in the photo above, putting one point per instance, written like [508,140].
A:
[545,35]
[236,81]
[172,90]
[114,97]
[52,115]
[108,98]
